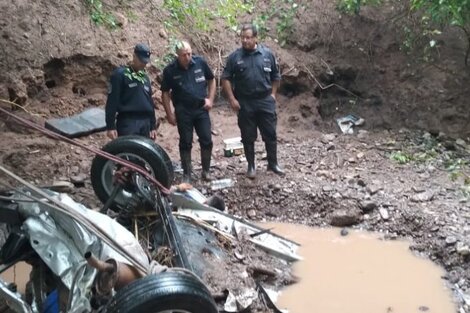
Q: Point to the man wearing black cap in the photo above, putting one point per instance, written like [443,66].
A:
[130,108]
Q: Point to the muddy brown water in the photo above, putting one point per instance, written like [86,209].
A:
[360,273]
[357,273]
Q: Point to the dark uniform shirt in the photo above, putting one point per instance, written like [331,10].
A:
[127,95]
[189,87]
[251,73]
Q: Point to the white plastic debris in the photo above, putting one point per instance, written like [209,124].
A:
[347,123]
[240,302]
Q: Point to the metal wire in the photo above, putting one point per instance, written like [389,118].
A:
[15,199]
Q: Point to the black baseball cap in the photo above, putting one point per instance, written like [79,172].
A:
[143,52]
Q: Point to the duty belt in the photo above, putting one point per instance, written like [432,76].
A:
[192,104]
[254,96]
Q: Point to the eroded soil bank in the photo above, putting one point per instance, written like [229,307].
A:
[403,173]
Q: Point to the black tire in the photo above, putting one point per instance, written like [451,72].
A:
[140,150]
[168,292]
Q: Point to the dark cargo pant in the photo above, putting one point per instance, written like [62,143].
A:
[190,119]
[134,125]
[257,113]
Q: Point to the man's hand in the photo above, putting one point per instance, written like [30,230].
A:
[274,96]
[171,118]
[112,134]
[184,187]
[153,134]
[208,104]
[235,105]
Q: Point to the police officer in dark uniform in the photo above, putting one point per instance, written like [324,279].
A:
[192,86]
[250,80]
[130,107]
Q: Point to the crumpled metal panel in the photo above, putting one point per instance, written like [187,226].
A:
[62,242]
[62,256]
[276,245]
[112,228]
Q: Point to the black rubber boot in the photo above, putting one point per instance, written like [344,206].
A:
[186,165]
[250,158]
[206,155]
[271,151]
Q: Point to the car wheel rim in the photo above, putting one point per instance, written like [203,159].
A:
[107,175]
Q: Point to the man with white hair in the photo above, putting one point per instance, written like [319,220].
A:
[189,83]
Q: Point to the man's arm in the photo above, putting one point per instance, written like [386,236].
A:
[227,87]
[275,87]
[275,75]
[166,100]
[153,119]
[211,85]
[112,103]
[212,88]
[211,95]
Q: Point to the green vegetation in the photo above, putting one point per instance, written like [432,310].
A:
[429,151]
[446,13]
[458,169]
[230,11]
[423,35]
[131,15]
[99,16]
[198,15]
[169,54]
[435,15]
[196,18]
[283,12]
[401,157]
[354,6]
[190,13]
[139,76]
[455,167]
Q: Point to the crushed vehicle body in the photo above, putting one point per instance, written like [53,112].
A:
[158,253]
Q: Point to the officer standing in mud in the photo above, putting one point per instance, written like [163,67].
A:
[189,83]
[130,107]
[250,80]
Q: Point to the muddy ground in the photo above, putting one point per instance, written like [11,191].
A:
[404,172]
[332,180]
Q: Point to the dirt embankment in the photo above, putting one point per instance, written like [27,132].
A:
[55,62]
[351,64]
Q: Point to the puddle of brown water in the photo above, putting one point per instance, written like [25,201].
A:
[360,273]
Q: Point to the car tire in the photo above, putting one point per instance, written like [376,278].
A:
[137,149]
[166,292]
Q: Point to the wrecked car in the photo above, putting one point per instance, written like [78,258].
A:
[157,253]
